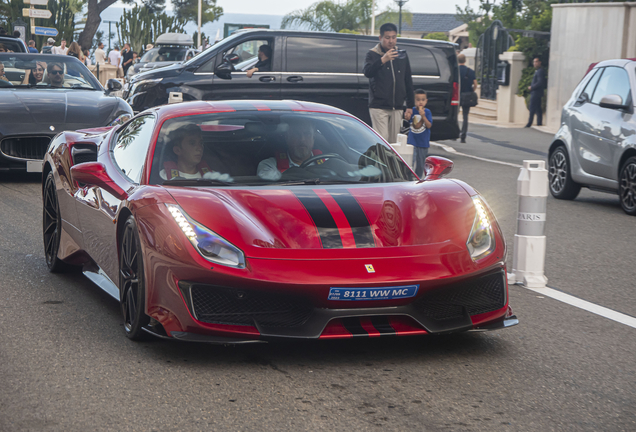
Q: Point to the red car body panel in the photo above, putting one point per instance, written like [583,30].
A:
[412,233]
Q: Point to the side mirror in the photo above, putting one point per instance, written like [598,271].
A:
[113,85]
[224,70]
[94,174]
[613,101]
[436,167]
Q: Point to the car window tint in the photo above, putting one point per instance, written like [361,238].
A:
[614,81]
[132,145]
[591,85]
[363,48]
[422,60]
[248,53]
[321,55]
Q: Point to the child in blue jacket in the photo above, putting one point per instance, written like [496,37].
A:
[420,131]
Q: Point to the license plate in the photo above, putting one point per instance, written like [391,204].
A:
[34,166]
[383,293]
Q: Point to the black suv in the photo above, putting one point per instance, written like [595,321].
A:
[308,66]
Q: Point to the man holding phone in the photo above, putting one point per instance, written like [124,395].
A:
[390,84]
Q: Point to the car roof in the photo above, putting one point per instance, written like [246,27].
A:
[442,44]
[165,112]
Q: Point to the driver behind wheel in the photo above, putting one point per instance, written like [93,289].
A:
[300,147]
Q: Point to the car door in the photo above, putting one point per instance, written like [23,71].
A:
[262,85]
[599,134]
[97,208]
[322,70]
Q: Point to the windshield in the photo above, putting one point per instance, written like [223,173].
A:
[269,147]
[40,71]
[164,54]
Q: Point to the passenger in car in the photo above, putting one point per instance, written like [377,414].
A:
[187,145]
[300,147]
[35,75]
[2,75]
[264,61]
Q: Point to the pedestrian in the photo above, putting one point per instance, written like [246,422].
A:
[114,58]
[420,131]
[126,58]
[390,84]
[50,44]
[75,51]
[536,92]
[32,49]
[87,58]
[100,54]
[468,82]
[62,49]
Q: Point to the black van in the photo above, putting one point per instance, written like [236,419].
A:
[309,66]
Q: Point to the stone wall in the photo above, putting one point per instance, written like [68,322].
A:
[581,34]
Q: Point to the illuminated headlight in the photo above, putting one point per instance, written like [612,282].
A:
[144,85]
[481,241]
[210,245]
[123,118]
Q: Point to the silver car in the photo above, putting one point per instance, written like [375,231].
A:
[596,144]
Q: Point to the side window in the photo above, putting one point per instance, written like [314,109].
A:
[132,145]
[422,61]
[613,81]
[321,55]
[248,53]
[588,91]
[208,67]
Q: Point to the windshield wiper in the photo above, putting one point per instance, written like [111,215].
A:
[313,181]
[196,182]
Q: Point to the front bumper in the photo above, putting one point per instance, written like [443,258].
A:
[474,303]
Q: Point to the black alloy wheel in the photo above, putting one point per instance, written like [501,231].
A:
[52,227]
[627,186]
[132,283]
[561,184]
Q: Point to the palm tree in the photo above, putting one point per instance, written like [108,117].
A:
[328,15]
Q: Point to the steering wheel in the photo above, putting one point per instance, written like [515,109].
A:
[321,156]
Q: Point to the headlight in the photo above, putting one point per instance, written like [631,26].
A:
[121,119]
[144,85]
[481,241]
[210,245]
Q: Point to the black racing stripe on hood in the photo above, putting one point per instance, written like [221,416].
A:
[360,226]
[326,225]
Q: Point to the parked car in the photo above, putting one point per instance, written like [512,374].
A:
[170,48]
[40,100]
[11,44]
[310,66]
[175,218]
[596,144]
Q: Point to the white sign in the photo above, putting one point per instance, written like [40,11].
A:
[36,2]
[531,217]
[37,13]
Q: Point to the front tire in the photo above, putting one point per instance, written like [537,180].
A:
[561,184]
[52,227]
[132,283]
[627,186]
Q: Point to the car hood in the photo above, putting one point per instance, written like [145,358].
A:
[297,222]
[62,109]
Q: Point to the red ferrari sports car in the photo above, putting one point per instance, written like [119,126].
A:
[246,221]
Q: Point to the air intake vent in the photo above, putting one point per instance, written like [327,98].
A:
[25,147]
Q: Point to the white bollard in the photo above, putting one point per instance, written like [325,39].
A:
[528,261]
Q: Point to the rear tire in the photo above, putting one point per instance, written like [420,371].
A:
[561,184]
[627,186]
[132,283]
[52,227]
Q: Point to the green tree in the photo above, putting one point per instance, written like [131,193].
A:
[332,16]
[188,10]
[441,36]
[139,26]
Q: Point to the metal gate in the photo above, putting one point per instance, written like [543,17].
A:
[494,41]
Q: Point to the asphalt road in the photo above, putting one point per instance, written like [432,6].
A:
[66,365]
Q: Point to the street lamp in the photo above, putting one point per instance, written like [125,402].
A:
[400,3]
